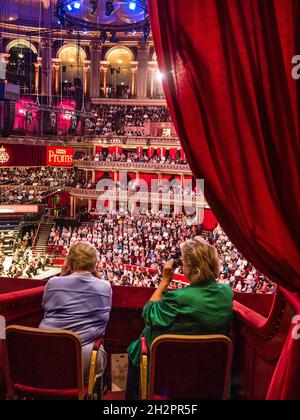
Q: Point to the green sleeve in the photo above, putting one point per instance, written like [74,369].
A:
[161,314]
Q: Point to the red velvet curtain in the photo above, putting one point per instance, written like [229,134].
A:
[150,152]
[98,175]
[148,178]
[132,175]
[182,154]
[234,103]
[161,151]
[173,153]
[209,221]
[99,149]
[139,151]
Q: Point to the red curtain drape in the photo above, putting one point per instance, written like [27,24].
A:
[150,152]
[166,177]
[132,175]
[161,151]
[139,151]
[173,153]
[148,178]
[98,175]
[99,149]
[209,220]
[182,154]
[234,103]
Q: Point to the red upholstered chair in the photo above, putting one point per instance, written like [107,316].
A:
[44,364]
[186,367]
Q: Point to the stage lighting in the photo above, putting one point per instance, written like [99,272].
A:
[109,7]
[93,5]
[146,31]
[85,31]
[103,37]
[132,5]
[69,7]
[77,5]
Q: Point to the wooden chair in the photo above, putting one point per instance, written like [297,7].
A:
[44,364]
[186,367]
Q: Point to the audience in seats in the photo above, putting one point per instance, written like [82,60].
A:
[79,301]
[236,270]
[37,177]
[41,180]
[149,241]
[204,307]
[124,119]
[130,157]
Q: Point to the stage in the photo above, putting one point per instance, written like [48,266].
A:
[42,275]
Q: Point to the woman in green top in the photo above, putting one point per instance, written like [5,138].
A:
[204,307]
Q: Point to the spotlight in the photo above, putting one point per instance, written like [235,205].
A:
[93,5]
[77,5]
[69,7]
[132,5]
[85,31]
[109,7]
[103,37]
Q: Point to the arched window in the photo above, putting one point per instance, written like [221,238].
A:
[119,77]
[20,68]
[71,58]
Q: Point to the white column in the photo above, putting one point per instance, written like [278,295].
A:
[95,69]
[142,75]
[87,67]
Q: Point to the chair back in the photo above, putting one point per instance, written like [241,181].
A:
[43,363]
[190,367]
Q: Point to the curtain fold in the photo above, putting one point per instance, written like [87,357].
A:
[228,83]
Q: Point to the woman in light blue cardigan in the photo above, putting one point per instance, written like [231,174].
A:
[79,301]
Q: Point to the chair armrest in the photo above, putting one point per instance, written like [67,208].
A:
[92,373]
[144,369]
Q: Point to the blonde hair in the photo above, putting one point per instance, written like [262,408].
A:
[201,260]
[82,256]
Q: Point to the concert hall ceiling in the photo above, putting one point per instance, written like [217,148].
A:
[36,12]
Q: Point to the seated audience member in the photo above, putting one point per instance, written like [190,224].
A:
[79,301]
[204,307]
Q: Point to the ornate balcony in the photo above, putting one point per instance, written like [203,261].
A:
[125,141]
[197,200]
[134,167]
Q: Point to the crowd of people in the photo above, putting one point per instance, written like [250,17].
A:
[43,176]
[119,119]
[148,242]
[132,276]
[236,270]
[46,178]
[130,157]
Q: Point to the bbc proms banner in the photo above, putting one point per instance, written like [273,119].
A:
[60,156]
